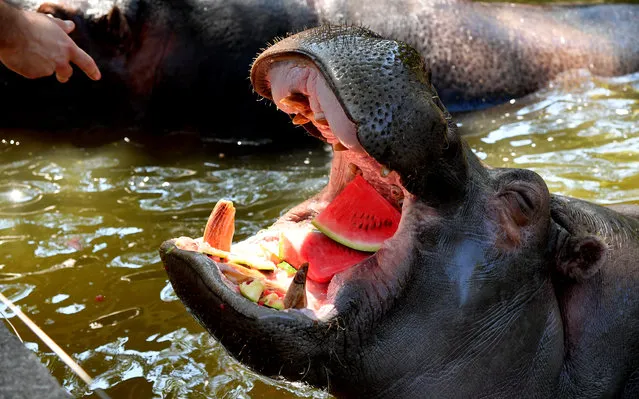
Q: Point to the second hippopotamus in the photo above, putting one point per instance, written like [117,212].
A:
[490,287]
[171,65]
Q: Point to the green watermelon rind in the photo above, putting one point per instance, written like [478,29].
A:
[358,245]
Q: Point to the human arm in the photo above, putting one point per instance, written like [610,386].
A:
[35,45]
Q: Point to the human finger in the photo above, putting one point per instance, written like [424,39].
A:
[85,62]
[67,26]
[63,72]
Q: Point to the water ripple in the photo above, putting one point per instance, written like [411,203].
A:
[15,293]
[18,195]
[135,260]
[584,142]
[182,368]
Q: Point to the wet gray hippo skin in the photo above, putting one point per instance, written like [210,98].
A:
[160,58]
[491,287]
[485,53]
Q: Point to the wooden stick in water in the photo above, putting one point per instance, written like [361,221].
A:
[52,345]
[12,326]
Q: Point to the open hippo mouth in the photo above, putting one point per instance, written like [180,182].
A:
[298,87]
[371,129]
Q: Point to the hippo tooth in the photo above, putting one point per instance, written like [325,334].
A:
[354,169]
[322,122]
[300,119]
[220,227]
[396,192]
[384,171]
[238,274]
[296,101]
[339,147]
[320,118]
[296,295]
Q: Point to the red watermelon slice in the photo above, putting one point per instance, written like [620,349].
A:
[359,217]
[325,257]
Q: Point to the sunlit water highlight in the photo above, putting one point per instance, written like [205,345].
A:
[80,229]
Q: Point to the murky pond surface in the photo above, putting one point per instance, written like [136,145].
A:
[80,228]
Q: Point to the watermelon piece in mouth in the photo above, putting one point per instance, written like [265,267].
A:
[325,256]
[359,217]
[355,223]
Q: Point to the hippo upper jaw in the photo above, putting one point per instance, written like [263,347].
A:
[391,113]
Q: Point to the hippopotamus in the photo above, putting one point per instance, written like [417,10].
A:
[181,66]
[490,287]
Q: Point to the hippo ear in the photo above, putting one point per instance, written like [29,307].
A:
[114,29]
[117,25]
[581,257]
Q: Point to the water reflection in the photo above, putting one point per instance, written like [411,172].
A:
[180,367]
[15,293]
[80,228]
[114,318]
[14,195]
[584,141]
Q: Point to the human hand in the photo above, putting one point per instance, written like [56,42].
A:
[40,46]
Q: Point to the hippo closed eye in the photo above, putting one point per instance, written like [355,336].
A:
[490,287]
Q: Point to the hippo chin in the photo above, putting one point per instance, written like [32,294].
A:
[491,286]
